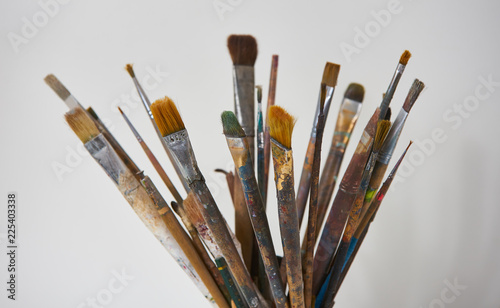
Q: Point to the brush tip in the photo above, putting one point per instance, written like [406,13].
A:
[230,125]
[121,111]
[130,70]
[281,125]
[383,127]
[405,57]
[330,74]
[243,49]
[416,88]
[57,86]
[355,92]
[166,116]
[83,126]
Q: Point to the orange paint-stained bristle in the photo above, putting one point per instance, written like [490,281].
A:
[405,57]
[330,74]
[281,125]
[130,70]
[167,116]
[243,49]
[83,126]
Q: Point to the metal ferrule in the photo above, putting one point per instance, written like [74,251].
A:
[243,82]
[144,97]
[239,150]
[102,151]
[182,152]
[391,140]
[350,108]
[71,102]
[160,203]
[391,89]
[326,108]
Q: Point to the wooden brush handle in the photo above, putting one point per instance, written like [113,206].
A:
[305,180]
[243,225]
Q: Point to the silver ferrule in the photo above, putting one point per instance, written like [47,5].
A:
[71,102]
[181,150]
[351,106]
[244,105]
[326,108]
[143,96]
[391,140]
[237,143]
[391,89]
[103,153]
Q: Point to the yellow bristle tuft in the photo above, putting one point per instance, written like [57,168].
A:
[383,127]
[83,126]
[167,116]
[130,70]
[281,125]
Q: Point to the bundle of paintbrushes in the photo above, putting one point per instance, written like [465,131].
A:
[241,269]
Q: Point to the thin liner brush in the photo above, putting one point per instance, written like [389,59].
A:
[238,146]
[271,96]
[147,105]
[330,75]
[342,204]
[346,120]
[104,154]
[174,133]
[72,103]
[403,61]
[313,204]
[194,215]
[340,257]
[281,126]
[260,142]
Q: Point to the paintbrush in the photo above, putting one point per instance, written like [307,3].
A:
[281,126]
[238,146]
[72,103]
[260,142]
[352,222]
[267,145]
[147,106]
[330,75]
[101,150]
[313,203]
[174,133]
[194,215]
[390,143]
[346,120]
[342,204]
[403,60]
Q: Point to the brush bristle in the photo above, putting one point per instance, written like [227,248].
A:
[230,125]
[259,93]
[330,74]
[83,126]
[383,127]
[130,70]
[388,114]
[57,86]
[355,91]
[243,49]
[411,98]
[405,57]
[192,211]
[281,125]
[166,116]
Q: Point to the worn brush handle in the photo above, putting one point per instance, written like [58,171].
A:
[305,180]
[228,280]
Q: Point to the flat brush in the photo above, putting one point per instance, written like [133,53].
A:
[101,150]
[194,215]
[352,222]
[273,79]
[175,135]
[72,103]
[313,204]
[238,146]
[329,81]
[281,126]
[403,61]
[147,105]
[342,204]
[346,120]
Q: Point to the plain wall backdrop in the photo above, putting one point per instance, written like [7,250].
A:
[435,242]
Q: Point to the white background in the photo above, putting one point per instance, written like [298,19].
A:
[438,225]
